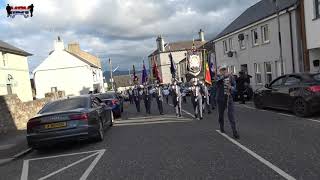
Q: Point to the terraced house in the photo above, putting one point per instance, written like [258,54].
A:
[265,41]
[14,72]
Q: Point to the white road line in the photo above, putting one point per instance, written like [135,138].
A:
[318,121]
[92,165]
[146,123]
[184,111]
[25,170]
[261,159]
[63,155]
[66,167]
[7,146]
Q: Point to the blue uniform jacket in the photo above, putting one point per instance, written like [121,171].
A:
[220,87]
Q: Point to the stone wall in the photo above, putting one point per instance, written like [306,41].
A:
[14,114]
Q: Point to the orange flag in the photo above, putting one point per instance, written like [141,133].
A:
[207,77]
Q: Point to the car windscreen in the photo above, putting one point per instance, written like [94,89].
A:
[107,96]
[316,77]
[66,105]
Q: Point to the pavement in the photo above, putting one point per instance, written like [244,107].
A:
[273,145]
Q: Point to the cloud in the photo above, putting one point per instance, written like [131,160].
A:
[124,30]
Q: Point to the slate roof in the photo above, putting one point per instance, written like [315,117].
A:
[255,13]
[5,47]
[180,46]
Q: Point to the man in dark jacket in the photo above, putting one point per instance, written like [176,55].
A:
[225,87]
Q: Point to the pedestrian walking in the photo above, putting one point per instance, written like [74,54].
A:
[206,97]
[225,87]
[196,99]
[147,98]
[176,97]
[136,97]
[159,97]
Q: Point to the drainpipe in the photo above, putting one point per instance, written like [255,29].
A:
[306,61]
[292,54]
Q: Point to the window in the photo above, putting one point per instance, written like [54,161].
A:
[279,69]
[225,47]
[54,89]
[265,34]
[230,44]
[242,44]
[255,37]
[257,70]
[4,59]
[9,89]
[268,71]
[278,82]
[232,69]
[292,80]
[316,9]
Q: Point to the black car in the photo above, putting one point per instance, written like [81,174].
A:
[299,93]
[74,118]
[113,100]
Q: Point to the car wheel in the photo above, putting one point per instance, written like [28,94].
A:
[100,134]
[112,119]
[300,108]
[258,102]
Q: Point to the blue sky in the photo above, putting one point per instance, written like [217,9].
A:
[124,30]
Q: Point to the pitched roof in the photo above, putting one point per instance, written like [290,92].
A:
[83,60]
[11,49]
[180,46]
[257,12]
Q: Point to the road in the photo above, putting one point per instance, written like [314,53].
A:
[273,145]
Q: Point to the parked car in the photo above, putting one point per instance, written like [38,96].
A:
[72,118]
[299,93]
[113,100]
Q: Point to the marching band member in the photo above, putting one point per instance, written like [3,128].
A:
[136,97]
[196,99]
[147,98]
[159,97]
[176,97]
[225,86]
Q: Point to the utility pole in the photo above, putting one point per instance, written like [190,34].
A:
[129,77]
[111,77]
[279,34]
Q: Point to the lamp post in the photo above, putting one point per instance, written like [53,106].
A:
[279,34]
[111,78]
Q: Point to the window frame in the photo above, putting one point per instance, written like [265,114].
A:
[242,45]
[230,41]
[263,34]
[256,72]
[255,42]
[225,46]
[267,72]
[316,9]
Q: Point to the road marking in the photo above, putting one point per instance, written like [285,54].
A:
[184,111]
[314,120]
[98,153]
[66,167]
[156,122]
[288,115]
[7,146]
[261,159]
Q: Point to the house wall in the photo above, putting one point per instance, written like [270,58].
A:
[67,73]
[165,65]
[264,52]
[17,67]
[312,31]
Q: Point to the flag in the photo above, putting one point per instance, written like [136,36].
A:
[207,75]
[172,67]
[134,77]
[144,77]
[155,71]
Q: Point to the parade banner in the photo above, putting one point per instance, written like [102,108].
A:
[193,63]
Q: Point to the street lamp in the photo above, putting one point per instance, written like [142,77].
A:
[275,2]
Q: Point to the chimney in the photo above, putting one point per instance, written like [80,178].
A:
[201,35]
[160,43]
[74,47]
[58,44]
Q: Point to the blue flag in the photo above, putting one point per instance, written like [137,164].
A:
[144,74]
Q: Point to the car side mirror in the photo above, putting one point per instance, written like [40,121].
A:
[267,86]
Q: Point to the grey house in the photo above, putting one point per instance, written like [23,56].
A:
[251,41]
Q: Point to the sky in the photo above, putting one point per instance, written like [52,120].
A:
[123,30]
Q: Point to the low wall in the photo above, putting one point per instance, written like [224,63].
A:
[14,114]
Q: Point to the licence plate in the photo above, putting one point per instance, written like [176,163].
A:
[55,125]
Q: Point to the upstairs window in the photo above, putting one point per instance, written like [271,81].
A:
[265,34]
[316,9]
[225,47]
[230,44]
[255,37]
